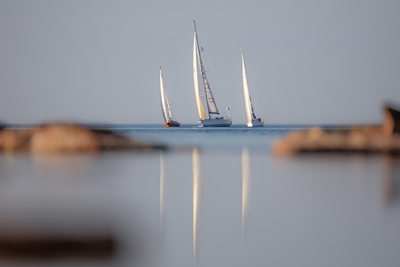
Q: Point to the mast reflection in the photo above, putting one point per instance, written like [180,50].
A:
[161,188]
[245,184]
[196,177]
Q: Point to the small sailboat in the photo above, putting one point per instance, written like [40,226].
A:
[213,118]
[166,111]
[252,120]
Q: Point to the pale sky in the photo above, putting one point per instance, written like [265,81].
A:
[98,61]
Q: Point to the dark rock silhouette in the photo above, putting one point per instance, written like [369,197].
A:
[384,138]
[55,247]
[392,120]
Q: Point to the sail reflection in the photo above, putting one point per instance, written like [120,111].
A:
[245,184]
[161,188]
[196,177]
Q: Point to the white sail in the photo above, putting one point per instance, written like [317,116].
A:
[200,108]
[212,120]
[164,100]
[252,119]
[247,100]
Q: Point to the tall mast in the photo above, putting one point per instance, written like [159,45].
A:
[211,105]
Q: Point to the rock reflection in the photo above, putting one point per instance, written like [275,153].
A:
[63,166]
[391,179]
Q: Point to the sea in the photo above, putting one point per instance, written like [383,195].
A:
[215,197]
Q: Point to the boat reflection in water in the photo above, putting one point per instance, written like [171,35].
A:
[196,191]
[245,184]
[161,189]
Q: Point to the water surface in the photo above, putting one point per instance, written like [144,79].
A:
[218,197]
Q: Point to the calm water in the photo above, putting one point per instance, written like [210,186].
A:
[218,197]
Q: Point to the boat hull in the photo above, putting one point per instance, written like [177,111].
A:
[172,124]
[256,123]
[220,122]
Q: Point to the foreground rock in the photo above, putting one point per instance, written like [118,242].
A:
[56,247]
[66,138]
[368,139]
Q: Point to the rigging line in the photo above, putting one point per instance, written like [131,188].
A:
[202,51]
[207,71]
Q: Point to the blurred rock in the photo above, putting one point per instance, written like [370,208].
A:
[63,138]
[15,140]
[66,138]
[392,120]
[368,139]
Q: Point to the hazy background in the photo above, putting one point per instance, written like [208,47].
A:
[98,61]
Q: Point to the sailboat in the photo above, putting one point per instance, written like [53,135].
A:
[213,118]
[252,120]
[166,111]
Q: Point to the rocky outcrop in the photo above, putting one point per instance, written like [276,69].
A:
[368,139]
[63,138]
[15,140]
[66,138]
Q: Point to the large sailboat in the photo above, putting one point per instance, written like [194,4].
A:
[252,120]
[213,118]
[166,111]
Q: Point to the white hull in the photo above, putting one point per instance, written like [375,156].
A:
[221,122]
[256,123]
